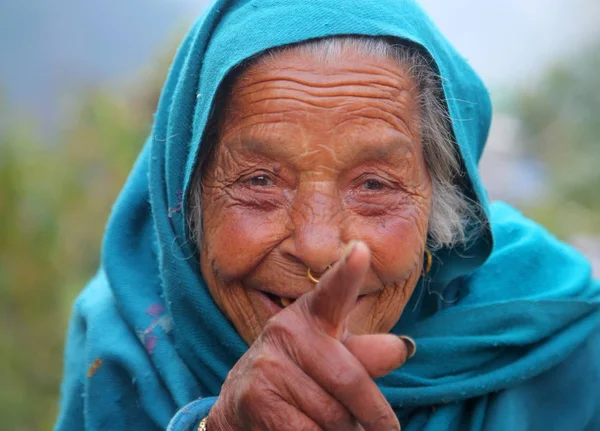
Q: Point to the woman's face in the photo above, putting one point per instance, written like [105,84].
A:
[311,155]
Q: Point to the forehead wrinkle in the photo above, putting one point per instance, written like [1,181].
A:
[262,119]
[310,102]
[387,148]
[313,97]
[251,87]
[280,114]
[260,76]
[363,69]
[255,138]
[378,150]
[372,113]
[275,104]
[394,98]
[389,110]
[276,108]
[358,87]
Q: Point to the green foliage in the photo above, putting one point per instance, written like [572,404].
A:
[54,203]
[561,126]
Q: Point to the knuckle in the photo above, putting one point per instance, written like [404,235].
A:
[264,362]
[337,417]
[252,392]
[284,335]
[265,376]
[278,328]
[247,398]
[256,400]
[269,369]
[347,378]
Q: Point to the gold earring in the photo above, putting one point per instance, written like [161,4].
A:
[428,262]
[312,277]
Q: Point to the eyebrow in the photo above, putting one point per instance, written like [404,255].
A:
[385,148]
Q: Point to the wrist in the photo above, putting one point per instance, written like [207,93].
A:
[189,416]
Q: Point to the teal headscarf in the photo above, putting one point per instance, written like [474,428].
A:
[507,326]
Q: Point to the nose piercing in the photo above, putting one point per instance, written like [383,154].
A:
[312,277]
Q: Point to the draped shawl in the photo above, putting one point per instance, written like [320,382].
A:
[506,325]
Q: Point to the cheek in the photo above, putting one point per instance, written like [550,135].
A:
[238,238]
[396,242]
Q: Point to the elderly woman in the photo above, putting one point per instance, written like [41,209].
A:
[308,211]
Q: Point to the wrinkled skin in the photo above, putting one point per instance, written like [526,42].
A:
[312,155]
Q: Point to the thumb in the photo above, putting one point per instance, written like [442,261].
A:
[380,354]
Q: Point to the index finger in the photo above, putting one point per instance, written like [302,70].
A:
[337,291]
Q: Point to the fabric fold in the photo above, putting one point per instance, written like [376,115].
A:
[146,337]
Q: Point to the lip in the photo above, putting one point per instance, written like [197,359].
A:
[359,300]
[266,302]
[274,308]
[290,295]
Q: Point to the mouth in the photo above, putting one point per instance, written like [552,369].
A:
[280,301]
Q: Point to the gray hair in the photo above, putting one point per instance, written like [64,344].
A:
[451,209]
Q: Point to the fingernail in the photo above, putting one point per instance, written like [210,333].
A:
[348,250]
[411,346]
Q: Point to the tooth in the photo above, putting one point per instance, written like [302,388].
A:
[285,301]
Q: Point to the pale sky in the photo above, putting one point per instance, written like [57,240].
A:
[512,40]
[51,52]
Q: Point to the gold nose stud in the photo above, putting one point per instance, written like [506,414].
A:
[312,277]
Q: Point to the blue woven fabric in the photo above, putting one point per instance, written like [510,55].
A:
[505,325]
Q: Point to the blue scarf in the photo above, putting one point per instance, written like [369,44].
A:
[505,325]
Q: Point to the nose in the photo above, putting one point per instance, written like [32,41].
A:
[316,234]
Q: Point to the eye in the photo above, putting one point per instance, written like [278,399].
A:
[373,185]
[260,181]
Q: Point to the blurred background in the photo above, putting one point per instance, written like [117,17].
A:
[79,83]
